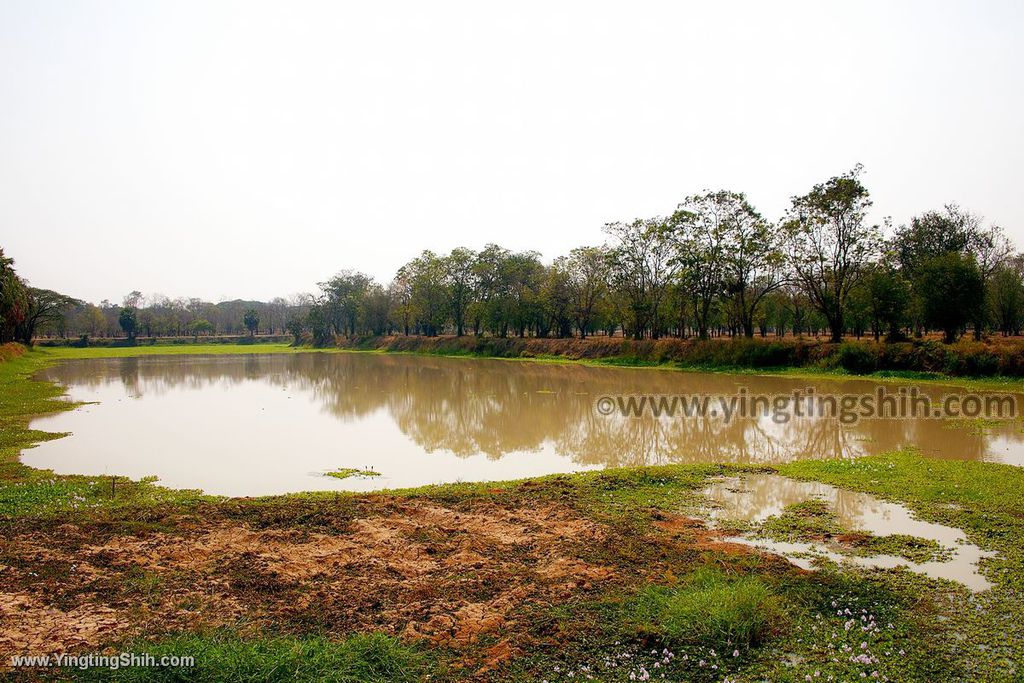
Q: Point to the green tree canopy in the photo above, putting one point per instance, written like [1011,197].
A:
[952,290]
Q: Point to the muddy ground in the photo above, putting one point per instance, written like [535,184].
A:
[469,576]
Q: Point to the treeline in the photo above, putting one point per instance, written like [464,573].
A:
[714,267]
[161,316]
[28,313]
[25,309]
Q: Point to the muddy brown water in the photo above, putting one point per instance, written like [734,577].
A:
[757,497]
[269,424]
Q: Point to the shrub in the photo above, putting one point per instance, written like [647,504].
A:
[857,358]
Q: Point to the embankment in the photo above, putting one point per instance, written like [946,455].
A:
[964,359]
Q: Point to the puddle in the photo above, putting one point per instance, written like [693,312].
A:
[756,497]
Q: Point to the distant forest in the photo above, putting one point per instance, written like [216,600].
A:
[715,267]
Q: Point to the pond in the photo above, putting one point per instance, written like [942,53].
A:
[268,424]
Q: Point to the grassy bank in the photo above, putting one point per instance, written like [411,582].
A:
[556,578]
[995,357]
[605,574]
[121,342]
[792,358]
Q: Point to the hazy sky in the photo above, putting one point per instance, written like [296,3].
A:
[252,149]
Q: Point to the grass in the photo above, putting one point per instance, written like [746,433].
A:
[910,547]
[813,521]
[974,426]
[226,657]
[712,609]
[983,632]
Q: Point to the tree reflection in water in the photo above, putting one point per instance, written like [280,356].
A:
[471,407]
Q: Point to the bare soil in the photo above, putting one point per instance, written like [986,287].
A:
[458,575]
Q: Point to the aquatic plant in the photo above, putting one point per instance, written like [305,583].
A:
[347,472]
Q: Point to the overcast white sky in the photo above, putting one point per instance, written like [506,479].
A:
[251,149]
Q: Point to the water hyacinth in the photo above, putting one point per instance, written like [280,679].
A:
[629,663]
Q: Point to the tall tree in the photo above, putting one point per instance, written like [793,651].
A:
[523,274]
[493,290]
[129,321]
[342,296]
[556,300]
[888,296]
[43,307]
[701,226]
[376,310]
[951,230]
[460,281]
[1006,296]
[133,299]
[753,258]
[830,244]
[952,287]
[428,298]
[644,262]
[251,319]
[587,271]
[932,234]
[400,292]
[13,299]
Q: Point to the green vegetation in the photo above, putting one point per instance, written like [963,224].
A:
[252,321]
[972,364]
[226,656]
[952,287]
[910,547]
[813,521]
[129,322]
[346,472]
[45,355]
[984,500]
[710,609]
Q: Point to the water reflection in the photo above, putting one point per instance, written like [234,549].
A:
[420,419]
[757,497]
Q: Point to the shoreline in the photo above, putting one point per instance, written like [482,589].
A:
[982,383]
[501,562]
